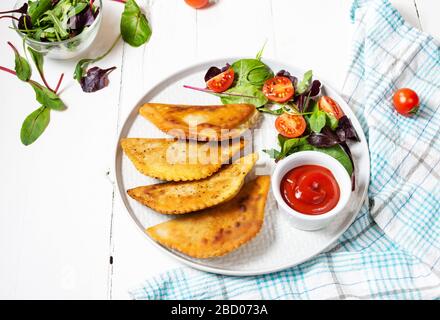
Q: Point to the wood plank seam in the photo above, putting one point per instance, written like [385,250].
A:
[418,15]
[111,243]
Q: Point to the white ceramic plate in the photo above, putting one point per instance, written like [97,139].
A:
[279,245]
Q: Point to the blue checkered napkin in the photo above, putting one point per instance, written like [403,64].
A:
[392,250]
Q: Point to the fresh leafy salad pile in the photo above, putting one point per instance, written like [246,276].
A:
[306,120]
[135,30]
[54,20]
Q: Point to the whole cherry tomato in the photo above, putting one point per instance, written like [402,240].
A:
[197,4]
[406,101]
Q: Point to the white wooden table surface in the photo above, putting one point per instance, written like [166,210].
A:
[61,220]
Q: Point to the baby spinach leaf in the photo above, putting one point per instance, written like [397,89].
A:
[304,85]
[289,144]
[258,98]
[135,28]
[274,154]
[34,125]
[251,71]
[335,151]
[317,120]
[331,121]
[47,97]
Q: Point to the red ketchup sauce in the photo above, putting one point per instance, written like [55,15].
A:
[310,189]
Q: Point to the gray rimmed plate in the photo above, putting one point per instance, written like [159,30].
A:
[279,245]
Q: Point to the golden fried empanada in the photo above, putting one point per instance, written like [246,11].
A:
[178,160]
[188,196]
[202,123]
[218,230]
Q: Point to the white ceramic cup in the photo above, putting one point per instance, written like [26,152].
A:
[304,221]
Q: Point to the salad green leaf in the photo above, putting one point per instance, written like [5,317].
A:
[287,146]
[317,120]
[258,98]
[260,53]
[34,125]
[47,97]
[37,8]
[335,151]
[22,67]
[275,112]
[273,153]
[37,58]
[135,28]
[251,71]
[60,32]
[331,121]
[304,85]
[81,67]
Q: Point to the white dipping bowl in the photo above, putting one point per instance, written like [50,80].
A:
[305,221]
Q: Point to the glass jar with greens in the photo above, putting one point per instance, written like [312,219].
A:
[59,29]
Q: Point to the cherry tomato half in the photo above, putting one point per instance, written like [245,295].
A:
[222,81]
[406,101]
[197,4]
[290,126]
[330,106]
[278,89]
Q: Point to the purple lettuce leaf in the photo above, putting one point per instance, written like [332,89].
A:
[327,138]
[83,19]
[95,79]
[24,22]
[303,100]
[315,88]
[284,73]
[345,130]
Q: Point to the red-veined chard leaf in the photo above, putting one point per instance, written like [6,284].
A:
[22,67]
[34,125]
[47,97]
